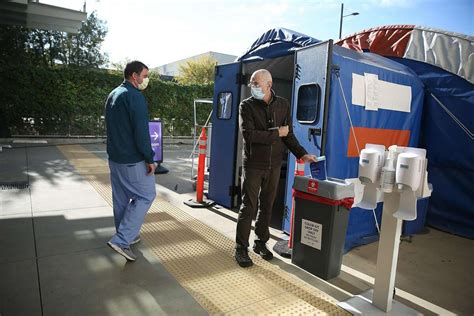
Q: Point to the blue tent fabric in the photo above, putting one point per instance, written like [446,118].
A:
[361,228]
[450,150]
[338,164]
[275,43]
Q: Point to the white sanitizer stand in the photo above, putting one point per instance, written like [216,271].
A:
[402,177]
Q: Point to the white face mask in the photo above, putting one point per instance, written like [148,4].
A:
[257,93]
[144,84]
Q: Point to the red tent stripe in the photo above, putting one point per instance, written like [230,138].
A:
[386,41]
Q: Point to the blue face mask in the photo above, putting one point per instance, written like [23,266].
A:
[257,93]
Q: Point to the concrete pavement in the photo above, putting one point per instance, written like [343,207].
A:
[53,258]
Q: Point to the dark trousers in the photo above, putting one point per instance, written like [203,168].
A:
[258,192]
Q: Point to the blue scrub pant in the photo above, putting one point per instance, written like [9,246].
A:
[133,192]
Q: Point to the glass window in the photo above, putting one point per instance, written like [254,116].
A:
[224,105]
[308,103]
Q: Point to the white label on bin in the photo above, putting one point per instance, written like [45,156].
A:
[311,233]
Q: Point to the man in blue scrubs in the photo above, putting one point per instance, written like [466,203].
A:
[130,158]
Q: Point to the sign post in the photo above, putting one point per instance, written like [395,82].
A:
[156,138]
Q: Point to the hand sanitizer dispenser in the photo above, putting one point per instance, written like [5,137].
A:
[370,164]
[409,174]
[409,171]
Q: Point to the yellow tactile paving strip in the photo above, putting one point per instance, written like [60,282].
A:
[201,259]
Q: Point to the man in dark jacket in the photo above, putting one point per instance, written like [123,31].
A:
[130,157]
[266,128]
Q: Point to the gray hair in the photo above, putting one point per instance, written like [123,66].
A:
[263,74]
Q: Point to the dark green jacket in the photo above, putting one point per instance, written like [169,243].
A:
[126,116]
[263,148]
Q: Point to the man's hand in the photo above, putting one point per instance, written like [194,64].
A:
[283,131]
[309,158]
[150,168]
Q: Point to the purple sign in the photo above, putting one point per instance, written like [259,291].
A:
[156,140]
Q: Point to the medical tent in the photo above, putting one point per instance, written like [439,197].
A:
[341,100]
[444,61]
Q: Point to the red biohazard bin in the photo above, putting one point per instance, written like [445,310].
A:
[320,224]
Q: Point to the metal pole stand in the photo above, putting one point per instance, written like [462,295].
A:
[160,169]
[281,248]
[194,204]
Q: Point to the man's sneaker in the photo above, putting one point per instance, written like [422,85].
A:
[126,252]
[242,257]
[261,249]
[136,240]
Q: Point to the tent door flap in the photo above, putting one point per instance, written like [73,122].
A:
[225,117]
[309,108]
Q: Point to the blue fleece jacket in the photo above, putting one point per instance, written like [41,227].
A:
[126,116]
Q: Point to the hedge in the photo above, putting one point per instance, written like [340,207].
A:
[70,101]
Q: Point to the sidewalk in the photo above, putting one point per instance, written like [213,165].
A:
[54,260]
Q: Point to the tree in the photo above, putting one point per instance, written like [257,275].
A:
[48,48]
[13,45]
[120,65]
[84,48]
[44,46]
[200,71]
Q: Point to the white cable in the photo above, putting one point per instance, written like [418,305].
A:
[348,114]
[376,221]
[455,119]
[355,139]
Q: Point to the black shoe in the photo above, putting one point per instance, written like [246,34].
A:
[126,252]
[242,257]
[261,249]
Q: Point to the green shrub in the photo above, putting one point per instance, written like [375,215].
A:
[70,100]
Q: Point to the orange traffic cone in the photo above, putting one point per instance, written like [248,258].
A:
[200,201]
